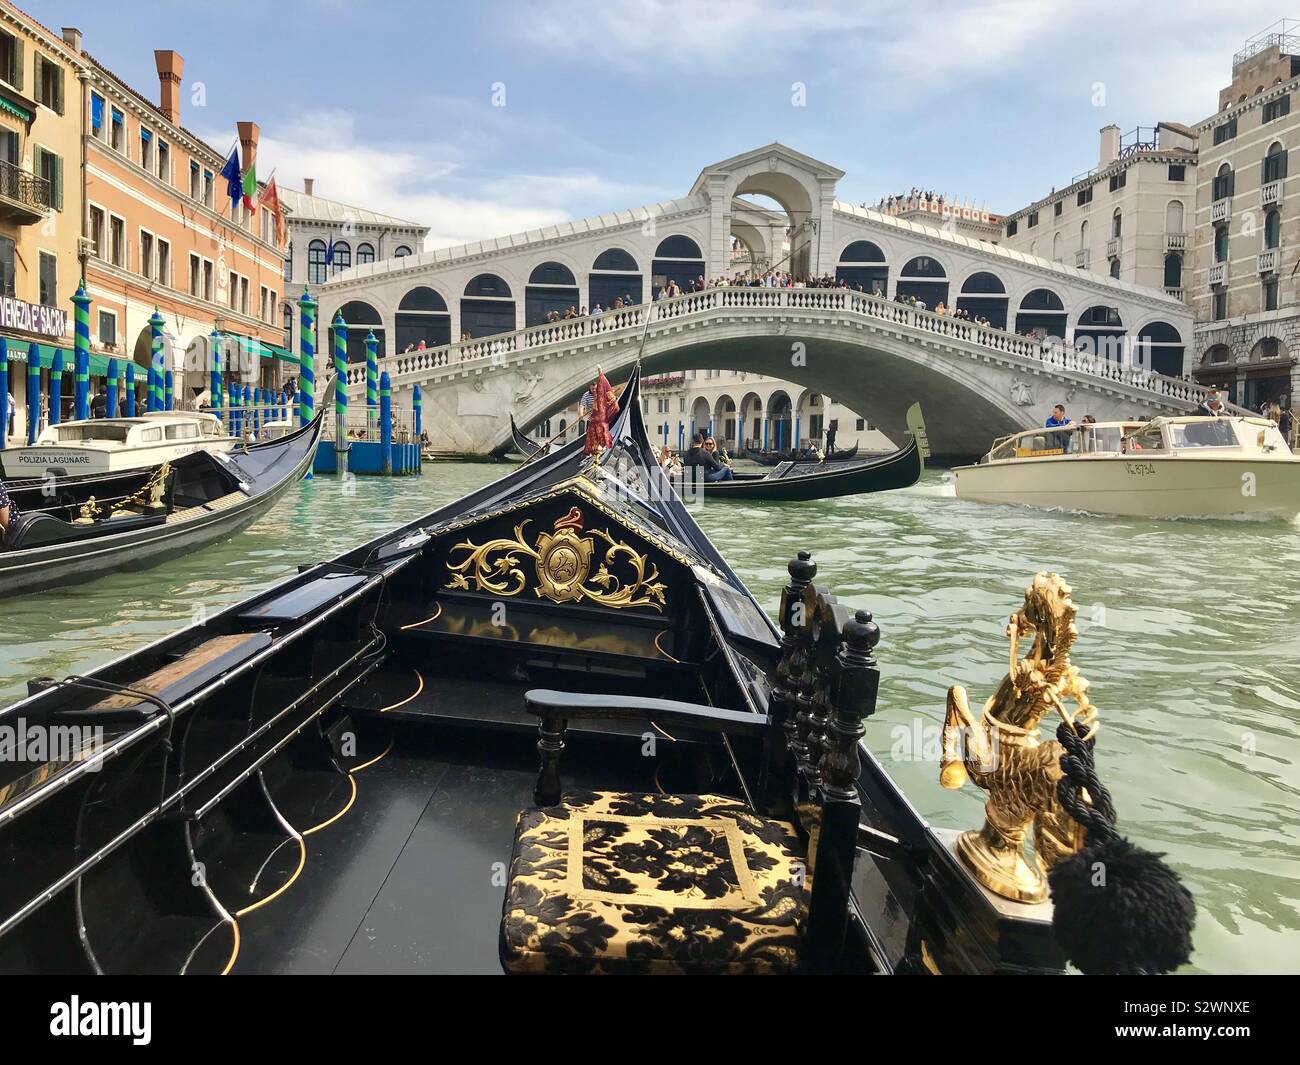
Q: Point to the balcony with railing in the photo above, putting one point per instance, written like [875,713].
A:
[1082,258]
[1176,293]
[1270,192]
[1220,209]
[1175,242]
[1112,248]
[1268,260]
[1219,273]
[24,197]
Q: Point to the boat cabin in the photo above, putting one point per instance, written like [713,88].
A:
[1159,435]
[160,427]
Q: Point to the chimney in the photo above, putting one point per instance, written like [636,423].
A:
[72,38]
[1109,144]
[307,184]
[170,68]
[248,134]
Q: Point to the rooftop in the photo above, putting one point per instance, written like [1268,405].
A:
[320,209]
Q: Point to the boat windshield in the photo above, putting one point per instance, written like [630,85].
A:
[72,434]
[1100,439]
[1218,432]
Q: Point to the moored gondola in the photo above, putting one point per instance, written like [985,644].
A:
[800,455]
[544,728]
[76,529]
[523,443]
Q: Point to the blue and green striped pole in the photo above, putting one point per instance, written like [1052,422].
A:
[306,359]
[372,381]
[169,395]
[110,399]
[417,409]
[249,414]
[129,409]
[56,386]
[214,379]
[5,412]
[386,421]
[156,361]
[340,392]
[33,391]
[81,346]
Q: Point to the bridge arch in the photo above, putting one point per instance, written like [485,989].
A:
[862,263]
[1099,330]
[791,186]
[925,278]
[487,306]
[361,318]
[615,274]
[677,258]
[701,417]
[983,294]
[552,287]
[1042,311]
[1161,347]
[423,319]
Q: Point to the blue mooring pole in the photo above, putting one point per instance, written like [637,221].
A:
[111,389]
[386,421]
[56,387]
[5,412]
[129,407]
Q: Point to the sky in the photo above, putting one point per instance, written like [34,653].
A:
[485,118]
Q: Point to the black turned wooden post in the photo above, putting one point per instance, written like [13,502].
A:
[813,596]
[831,618]
[778,786]
[550,744]
[852,702]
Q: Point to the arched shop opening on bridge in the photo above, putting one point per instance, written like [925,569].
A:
[983,295]
[614,275]
[679,259]
[1160,349]
[551,288]
[1100,332]
[488,307]
[360,318]
[423,320]
[924,278]
[778,430]
[862,265]
[1042,312]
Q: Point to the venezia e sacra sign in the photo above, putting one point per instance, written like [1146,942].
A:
[33,317]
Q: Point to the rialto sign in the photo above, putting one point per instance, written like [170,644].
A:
[33,317]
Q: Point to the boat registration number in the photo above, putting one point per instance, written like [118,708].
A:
[1140,469]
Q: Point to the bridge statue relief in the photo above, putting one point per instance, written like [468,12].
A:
[868,328]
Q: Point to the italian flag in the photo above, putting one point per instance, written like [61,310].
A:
[250,189]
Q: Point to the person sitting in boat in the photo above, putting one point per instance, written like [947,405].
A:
[8,512]
[701,456]
[1057,419]
[711,445]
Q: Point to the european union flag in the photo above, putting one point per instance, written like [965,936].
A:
[234,183]
[329,252]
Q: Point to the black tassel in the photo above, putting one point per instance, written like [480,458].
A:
[1117,908]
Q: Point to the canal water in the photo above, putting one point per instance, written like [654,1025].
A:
[1190,636]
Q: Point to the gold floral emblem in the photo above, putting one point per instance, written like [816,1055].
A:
[562,562]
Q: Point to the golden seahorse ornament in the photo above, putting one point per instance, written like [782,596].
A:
[1002,752]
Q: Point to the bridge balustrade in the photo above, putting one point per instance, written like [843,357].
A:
[494,350]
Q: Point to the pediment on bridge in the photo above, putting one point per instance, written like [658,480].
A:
[776,157]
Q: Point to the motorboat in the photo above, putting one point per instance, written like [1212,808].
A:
[1168,467]
[96,446]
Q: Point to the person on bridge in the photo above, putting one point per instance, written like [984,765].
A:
[699,455]
[1057,419]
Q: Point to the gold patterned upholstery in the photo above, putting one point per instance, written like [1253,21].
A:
[621,882]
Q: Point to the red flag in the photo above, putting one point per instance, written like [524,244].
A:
[270,199]
[604,408]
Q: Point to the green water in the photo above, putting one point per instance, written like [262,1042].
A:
[1190,635]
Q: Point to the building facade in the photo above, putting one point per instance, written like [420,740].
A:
[1128,217]
[41,79]
[358,236]
[1247,234]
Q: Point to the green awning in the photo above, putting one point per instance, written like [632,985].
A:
[7,105]
[268,351]
[20,349]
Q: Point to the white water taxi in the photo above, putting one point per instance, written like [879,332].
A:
[1164,468]
[112,445]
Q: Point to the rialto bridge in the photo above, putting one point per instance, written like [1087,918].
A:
[870,352]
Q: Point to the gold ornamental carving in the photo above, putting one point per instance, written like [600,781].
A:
[1002,751]
[562,562]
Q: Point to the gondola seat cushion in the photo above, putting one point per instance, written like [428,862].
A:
[617,882]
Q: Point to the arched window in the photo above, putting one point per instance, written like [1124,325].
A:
[1041,312]
[862,265]
[423,318]
[1083,236]
[1273,229]
[614,276]
[365,253]
[361,318]
[1100,331]
[401,252]
[924,278]
[1221,189]
[1174,216]
[1173,270]
[1117,223]
[316,262]
[288,262]
[1274,168]
[487,307]
[983,295]
[1057,251]
[1220,243]
[551,289]
[1114,268]
[1160,349]
[679,259]
[342,255]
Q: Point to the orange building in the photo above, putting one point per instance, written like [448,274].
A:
[162,235]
